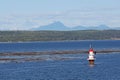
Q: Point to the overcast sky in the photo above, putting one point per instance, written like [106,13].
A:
[26,14]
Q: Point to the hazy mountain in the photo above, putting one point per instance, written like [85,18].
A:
[53,26]
[61,27]
[116,28]
[100,27]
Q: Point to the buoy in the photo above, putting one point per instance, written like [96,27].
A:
[91,56]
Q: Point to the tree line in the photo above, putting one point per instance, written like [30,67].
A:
[18,36]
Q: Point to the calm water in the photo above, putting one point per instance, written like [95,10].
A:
[48,46]
[107,66]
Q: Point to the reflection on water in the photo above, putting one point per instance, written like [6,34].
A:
[91,65]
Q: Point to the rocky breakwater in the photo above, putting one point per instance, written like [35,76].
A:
[43,55]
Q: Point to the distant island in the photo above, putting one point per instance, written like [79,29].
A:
[24,36]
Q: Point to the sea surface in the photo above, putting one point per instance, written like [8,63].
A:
[76,67]
[58,45]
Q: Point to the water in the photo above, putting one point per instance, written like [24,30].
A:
[107,67]
[75,67]
[48,46]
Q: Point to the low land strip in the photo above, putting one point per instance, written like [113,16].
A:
[44,55]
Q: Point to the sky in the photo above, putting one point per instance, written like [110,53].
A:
[28,14]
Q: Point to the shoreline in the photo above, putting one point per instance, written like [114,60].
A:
[58,41]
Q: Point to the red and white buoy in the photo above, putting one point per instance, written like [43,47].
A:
[91,56]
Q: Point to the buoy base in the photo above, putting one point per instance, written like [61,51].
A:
[91,62]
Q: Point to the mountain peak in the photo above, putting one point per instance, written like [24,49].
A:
[58,22]
[103,26]
[57,25]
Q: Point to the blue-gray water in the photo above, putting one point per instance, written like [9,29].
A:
[107,65]
[48,46]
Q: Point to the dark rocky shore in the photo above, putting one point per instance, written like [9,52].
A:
[43,55]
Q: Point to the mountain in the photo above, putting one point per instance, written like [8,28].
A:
[100,27]
[61,27]
[53,26]
[117,28]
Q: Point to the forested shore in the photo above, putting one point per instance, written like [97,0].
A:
[24,36]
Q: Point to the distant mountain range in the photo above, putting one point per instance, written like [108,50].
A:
[61,27]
